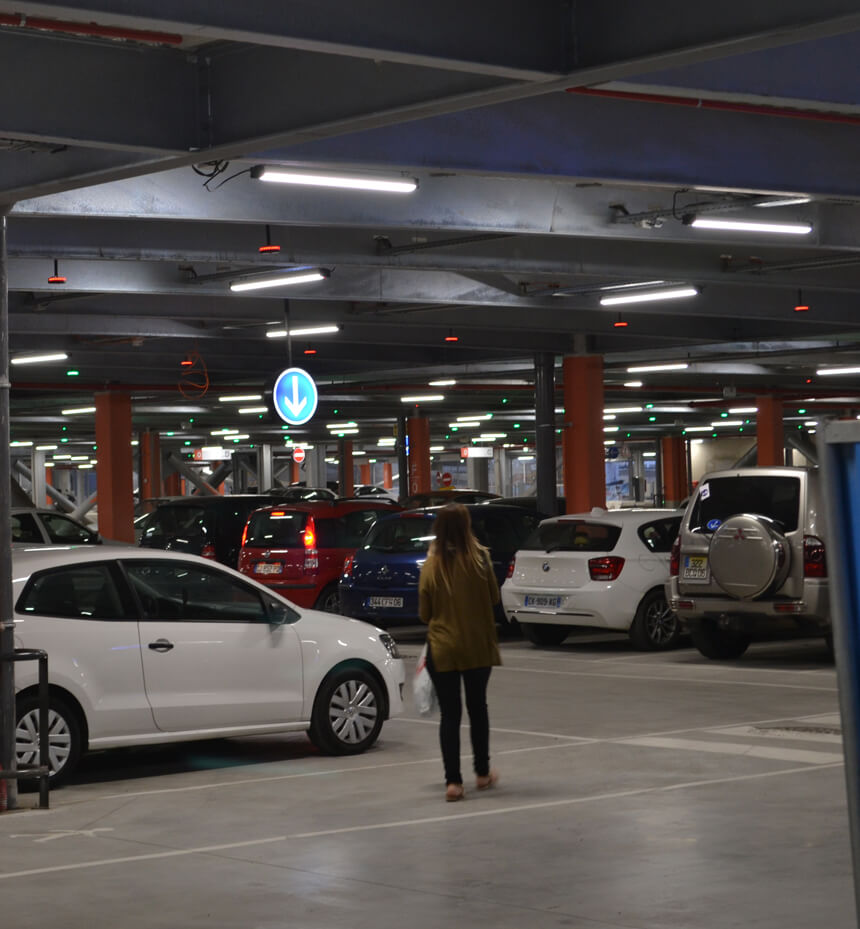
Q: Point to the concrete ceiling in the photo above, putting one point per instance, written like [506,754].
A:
[559,148]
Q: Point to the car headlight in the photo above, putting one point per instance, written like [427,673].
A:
[390,645]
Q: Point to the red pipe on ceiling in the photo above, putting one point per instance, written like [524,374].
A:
[88,29]
[756,109]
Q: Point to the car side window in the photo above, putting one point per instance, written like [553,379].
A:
[25,528]
[355,525]
[66,531]
[182,591]
[659,535]
[79,592]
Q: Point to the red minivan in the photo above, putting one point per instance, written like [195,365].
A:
[299,549]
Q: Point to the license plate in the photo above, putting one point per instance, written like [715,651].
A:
[263,568]
[383,603]
[695,568]
[543,601]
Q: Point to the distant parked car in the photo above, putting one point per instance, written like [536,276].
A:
[452,495]
[296,492]
[48,527]
[606,568]
[372,490]
[151,647]
[380,581]
[209,526]
[529,502]
[298,549]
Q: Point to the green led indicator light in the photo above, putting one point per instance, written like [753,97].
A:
[740,428]
[188,441]
[713,435]
[724,415]
[64,439]
[65,428]
[649,406]
[455,428]
[337,411]
[746,422]
[171,433]
[285,427]
[191,420]
[652,419]
[799,426]
[801,412]
[72,373]
[516,425]
[504,399]
[629,434]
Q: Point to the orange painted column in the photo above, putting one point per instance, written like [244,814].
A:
[114,468]
[364,473]
[173,484]
[673,461]
[347,469]
[418,433]
[49,479]
[295,473]
[387,479]
[150,468]
[582,437]
[770,432]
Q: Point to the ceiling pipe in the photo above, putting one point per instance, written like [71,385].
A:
[94,30]
[730,106]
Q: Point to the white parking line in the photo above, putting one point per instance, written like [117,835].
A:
[790,735]
[542,735]
[736,748]
[401,823]
[707,681]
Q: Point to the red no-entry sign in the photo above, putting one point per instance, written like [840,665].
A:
[298,455]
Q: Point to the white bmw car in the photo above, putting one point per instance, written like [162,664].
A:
[604,569]
[147,647]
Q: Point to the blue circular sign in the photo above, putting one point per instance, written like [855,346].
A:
[295,396]
[613,452]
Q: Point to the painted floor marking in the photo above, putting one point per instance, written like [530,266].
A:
[737,748]
[791,735]
[407,823]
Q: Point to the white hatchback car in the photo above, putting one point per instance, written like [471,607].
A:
[147,647]
[605,569]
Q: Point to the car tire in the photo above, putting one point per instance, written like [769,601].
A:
[716,643]
[65,739]
[655,627]
[348,712]
[545,633]
[329,600]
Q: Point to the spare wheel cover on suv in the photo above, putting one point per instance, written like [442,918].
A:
[749,557]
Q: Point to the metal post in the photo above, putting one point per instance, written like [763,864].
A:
[8,760]
[402,462]
[545,432]
[265,476]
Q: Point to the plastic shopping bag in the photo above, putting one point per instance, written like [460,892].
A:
[422,687]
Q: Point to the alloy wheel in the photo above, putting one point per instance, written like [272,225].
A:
[352,711]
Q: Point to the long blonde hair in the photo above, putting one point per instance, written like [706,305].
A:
[455,543]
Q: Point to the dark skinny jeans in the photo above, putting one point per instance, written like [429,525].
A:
[447,684]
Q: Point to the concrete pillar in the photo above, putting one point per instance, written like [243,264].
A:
[364,473]
[150,468]
[114,468]
[173,485]
[346,477]
[315,466]
[387,482]
[770,432]
[545,432]
[582,437]
[49,482]
[265,475]
[37,483]
[673,466]
[478,473]
[418,432]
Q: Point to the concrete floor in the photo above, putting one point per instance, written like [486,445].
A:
[636,791]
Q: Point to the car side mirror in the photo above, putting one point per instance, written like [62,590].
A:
[280,614]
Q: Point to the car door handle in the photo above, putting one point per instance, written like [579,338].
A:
[161,645]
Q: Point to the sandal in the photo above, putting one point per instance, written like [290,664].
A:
[454,792]
[486,781]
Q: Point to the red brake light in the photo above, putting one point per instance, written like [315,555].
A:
[244,535]
[675,558]
[347,566]
[814,560]
[511,566]
[605,569]
[208,551]
[309,536]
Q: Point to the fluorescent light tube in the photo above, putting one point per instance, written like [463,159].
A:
[735,410]
[239,398]
[336,427]
[629,286]
[78,409]
[304,276]
[437,448]
[611,428]
[622,409]
[609,416]
[20,444]
[786,201]
[676,293]
[46,448]
[633,383]
[699,429]
[742,225]
[306,330]
[475,418]
[727,422]
[448,383]
[426,398]
[826,371]
[38,359]
[340,181]
[253,409]
[666,367]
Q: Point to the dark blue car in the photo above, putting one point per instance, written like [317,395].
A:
[380,582]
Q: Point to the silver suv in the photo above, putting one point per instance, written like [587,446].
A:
[749,553]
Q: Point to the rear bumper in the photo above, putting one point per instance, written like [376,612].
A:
[355,602]
[813,607]
[584,607]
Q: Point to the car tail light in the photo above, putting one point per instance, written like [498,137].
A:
[347,566]
[511,566]
[208,551]
[309,538]
[675,558]
[605,569]
[814,560]
[244,535]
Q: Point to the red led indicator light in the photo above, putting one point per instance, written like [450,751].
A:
[55,279]
[264,249]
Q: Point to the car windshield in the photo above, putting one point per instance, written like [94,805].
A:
[400,535]
[574,536]
[776,496]
[277,527]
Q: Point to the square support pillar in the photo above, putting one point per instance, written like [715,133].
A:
[364,473]
[347,468]
[114,467]
[418,434]
[265,468]
[582,438]
[478,473]
[770,431]
[38,477]
[673,461]
[387,481]
[150,468]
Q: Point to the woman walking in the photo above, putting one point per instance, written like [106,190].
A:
[457,592]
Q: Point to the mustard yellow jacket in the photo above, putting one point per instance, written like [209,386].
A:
[462,627]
